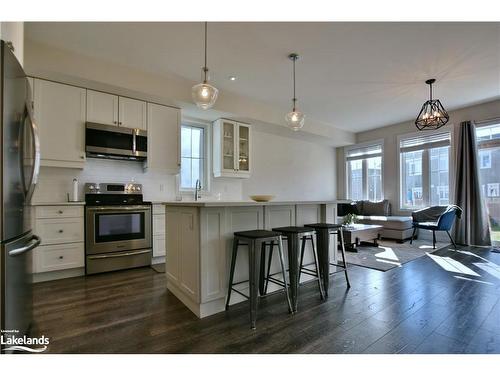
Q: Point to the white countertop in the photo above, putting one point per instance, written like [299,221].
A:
[245,203]
[58,203]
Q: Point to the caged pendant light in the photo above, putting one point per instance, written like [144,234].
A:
[432,115]
[204,95]
[294,119]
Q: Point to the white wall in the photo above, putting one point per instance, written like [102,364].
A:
[390,134]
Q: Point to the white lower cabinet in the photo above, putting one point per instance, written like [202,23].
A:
[159,243]
[61,229]
[183,260]
[59,257]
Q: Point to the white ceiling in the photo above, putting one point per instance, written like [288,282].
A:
[355,76]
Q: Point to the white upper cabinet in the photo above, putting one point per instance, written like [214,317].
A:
[102,108]
[59,112]
[163,138]
[232,149]
[132,113]
[109,109]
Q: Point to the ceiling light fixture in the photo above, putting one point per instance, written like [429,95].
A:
[232,78]
[294,119]
[432,115]
[204,94]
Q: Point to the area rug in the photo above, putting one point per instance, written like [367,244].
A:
[390,254]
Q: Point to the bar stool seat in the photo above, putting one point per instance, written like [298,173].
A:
[294,234]
[323,231]
[252,239]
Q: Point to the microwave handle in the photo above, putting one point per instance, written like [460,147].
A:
[134,140]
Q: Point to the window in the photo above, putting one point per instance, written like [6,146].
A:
[493,190]
[192,156]
[424,170]
[485,159]
[364,172]
[488,143]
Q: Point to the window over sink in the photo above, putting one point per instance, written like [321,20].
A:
[193,157]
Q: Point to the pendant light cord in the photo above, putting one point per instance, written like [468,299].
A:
[294,98]
[205,69]
[430,88]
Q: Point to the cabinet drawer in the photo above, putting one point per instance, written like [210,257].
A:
[158,225]
[56,231]
[159,246]
[58,257]
[158,209]
[50,212]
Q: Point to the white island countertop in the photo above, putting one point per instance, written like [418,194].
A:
[246,203]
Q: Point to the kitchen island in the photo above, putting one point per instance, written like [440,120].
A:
[199,238]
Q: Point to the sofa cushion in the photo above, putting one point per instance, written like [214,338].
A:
[381,208]
[388,222]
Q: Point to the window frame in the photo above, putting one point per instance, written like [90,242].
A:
[206,151]
[426,160]
[374,143]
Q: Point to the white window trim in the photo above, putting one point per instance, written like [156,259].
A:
[207,151]
[377,142]
[451,168]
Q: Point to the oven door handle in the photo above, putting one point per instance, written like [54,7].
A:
[119,208]
[118,255]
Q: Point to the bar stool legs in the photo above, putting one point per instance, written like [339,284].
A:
[316,263]
[256,284]
[231,271]
[341,234]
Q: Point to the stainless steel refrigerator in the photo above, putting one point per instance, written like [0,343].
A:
[20,161]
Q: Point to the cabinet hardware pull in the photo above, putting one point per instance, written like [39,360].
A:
[60,212]
[114,122]
[82,157]
[61,257]
[61,231]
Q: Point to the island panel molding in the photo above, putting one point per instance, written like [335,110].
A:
[199,240]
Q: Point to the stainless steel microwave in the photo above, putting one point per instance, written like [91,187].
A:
[115,142]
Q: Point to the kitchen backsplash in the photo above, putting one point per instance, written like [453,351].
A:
[55,183]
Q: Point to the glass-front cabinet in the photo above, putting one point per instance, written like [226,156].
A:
[232,149]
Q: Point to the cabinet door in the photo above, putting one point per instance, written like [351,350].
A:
[229,130]
[132,113]
[159,246]
[243,146]
[60,116]
[102,108]
[163,138]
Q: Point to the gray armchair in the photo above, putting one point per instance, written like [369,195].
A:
[436,218]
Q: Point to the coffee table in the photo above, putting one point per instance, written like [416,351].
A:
[356,234]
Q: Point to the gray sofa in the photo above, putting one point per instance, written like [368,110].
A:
[379,213]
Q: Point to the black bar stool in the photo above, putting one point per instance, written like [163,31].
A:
[252,238]
[323,231]
[293,236]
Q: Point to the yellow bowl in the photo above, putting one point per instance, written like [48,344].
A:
[261,198]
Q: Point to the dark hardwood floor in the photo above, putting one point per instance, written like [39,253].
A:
[447,304]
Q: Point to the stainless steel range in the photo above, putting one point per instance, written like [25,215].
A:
[117,227]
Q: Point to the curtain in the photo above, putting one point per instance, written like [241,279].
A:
[473,228]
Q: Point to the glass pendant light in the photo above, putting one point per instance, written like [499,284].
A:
[432,115]
[204,94]
[294,119]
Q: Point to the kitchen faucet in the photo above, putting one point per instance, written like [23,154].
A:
[197,190]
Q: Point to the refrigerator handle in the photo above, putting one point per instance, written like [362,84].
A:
[36,153]
[35,241]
